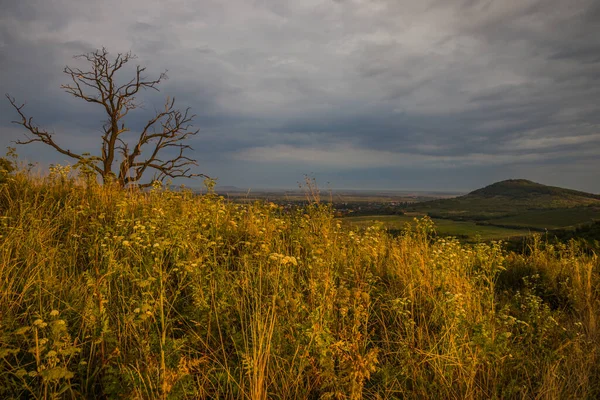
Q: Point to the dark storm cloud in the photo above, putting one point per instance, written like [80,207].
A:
[362,92]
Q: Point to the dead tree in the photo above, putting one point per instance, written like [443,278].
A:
[119,160]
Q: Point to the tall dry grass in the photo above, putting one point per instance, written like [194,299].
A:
[106,293]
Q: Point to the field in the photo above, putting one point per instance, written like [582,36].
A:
[551,219]
[443,227]
[112,293]
[336,197]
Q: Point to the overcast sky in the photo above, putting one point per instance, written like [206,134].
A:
[389,94]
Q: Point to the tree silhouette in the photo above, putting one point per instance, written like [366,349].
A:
[120,160]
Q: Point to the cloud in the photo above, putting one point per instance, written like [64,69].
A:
[541,143]
[352,158]
[386,85]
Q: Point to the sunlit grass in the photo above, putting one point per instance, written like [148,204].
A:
[467,230]
[124,294]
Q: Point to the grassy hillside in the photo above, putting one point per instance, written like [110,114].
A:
[551,219]
[107,293]
[524,189]
[511,198]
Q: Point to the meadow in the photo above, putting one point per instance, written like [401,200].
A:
[466,230]
[112,293]
[551,219]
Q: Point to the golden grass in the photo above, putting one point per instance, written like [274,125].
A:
[123,294]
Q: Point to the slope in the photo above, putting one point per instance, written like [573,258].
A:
[511,198]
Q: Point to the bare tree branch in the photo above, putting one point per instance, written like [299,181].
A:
[38,134]
[169,128]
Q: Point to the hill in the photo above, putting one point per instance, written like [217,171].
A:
[524,189]
[510,198]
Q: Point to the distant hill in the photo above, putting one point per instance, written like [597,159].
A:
[509,198]
[514,189]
